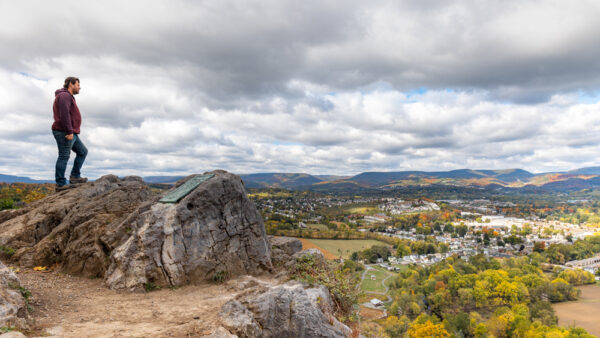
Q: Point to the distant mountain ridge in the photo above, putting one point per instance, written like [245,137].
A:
[577,179]
[583,178]
[20,179]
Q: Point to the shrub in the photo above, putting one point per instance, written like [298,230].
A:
[149,287]
[220,276]
[342,283]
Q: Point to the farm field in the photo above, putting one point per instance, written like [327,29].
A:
[345,247]
[307,244]
[583,312]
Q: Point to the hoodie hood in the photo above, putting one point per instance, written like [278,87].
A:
[59,91]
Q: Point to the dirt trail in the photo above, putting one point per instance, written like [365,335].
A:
[79,307]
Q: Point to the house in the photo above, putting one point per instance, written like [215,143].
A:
[376,302]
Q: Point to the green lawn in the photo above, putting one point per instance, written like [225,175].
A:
[369,285]
[401,267]
[345,246]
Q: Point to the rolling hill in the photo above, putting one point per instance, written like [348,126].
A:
[507,180]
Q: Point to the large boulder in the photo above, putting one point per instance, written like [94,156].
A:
[213,233]
[288,245]
[13,308]
[288,310]
[77,228]
[282,250]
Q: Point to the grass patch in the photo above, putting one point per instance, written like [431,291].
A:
[376,285]
[345,247]
[322,227]
[401,267]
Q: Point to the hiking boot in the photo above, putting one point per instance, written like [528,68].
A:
[64,187]
[74,180]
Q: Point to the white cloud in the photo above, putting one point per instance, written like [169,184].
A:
[321,87]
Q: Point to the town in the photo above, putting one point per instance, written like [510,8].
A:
[472,227]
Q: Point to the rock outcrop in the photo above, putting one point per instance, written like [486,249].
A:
[77,228]
[120,229]
[213,233]
[117,229]
[282,252]
[13,308]
[288,310]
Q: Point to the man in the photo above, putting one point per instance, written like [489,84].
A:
[67,121]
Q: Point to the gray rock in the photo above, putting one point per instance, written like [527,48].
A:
[13,309]
[236,317]
[243,283]
[287,310]
[214,232]
[77,228]
[288,245]
[282,250]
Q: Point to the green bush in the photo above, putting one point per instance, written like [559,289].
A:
[6,203]
[342,283]
[220,276]
[8,251]
[149,287]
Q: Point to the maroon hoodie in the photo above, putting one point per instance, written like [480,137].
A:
[67,117]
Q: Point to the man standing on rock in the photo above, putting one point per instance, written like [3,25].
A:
[67,121]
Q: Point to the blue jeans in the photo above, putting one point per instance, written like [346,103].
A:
[64,151]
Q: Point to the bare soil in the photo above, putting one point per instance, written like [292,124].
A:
[583,312]
[307,244]
[370,314]
[68,306]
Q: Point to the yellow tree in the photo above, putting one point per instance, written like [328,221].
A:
[427,329]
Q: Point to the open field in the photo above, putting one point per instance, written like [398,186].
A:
[307,244]
[374,285]
[401,267]
[344,246]
[584,312]
[322,227]
[364,210]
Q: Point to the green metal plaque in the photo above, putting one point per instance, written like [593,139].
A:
[186,188]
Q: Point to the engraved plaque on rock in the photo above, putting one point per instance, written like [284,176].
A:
[186,188]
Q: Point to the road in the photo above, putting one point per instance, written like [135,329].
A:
[389,299]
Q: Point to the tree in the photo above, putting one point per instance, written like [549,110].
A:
[560,290]
[402,250]
[539,246]
[427,329]
[396,327]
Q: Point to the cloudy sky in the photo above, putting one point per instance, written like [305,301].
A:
[324,87]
